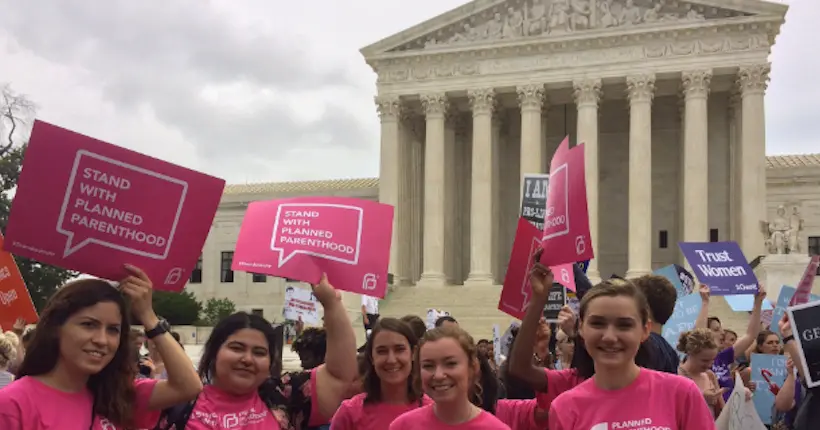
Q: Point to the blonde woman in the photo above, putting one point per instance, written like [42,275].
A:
[701,349]
[8,353]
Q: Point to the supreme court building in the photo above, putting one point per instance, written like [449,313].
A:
[667,96]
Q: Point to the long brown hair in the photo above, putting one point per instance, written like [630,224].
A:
[371,384]
[113,386]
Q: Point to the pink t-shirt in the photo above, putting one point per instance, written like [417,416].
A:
[28,404]
[518,414]
[354,414]
[654,400]
[215,409]
[424,418]
[558,381]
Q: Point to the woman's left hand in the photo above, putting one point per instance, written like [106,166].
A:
[139,288]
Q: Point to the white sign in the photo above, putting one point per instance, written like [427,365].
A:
[300,302]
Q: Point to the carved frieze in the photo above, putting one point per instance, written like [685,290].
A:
[518,19]
[557,57]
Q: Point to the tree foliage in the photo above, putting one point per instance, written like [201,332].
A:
[216,309]
[178,308]
[42,279]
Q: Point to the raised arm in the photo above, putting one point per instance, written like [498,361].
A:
[745,341]
[183,383]
[702,321]
[521,365]
[341,368]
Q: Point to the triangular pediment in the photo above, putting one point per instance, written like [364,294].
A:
[488,21]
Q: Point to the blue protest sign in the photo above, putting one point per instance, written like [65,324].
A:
[745,303]
[583,265]
[722,266]
[768,374]
[786,293]
[683,319]
[679,277]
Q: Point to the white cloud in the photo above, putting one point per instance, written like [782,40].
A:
[269,91]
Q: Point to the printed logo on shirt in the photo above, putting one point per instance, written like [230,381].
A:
[641,424]
[232,420]
[107,425]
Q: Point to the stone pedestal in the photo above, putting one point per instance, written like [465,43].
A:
[777,270]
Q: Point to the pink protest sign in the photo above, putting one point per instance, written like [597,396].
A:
[566,238]
[90,206]
[803,292]
[300,238]
[517,291]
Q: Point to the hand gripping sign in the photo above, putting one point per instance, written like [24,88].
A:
[566,236]
[300,238]
[101,206]
[517,291]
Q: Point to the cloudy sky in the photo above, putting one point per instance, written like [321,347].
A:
[260,90]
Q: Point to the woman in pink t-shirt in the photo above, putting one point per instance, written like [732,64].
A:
[79,370]
[390,388]
[244,388]
[450,375]
[614,317]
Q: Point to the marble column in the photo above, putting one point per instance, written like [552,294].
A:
[752,81]
[435,107]
[735,140]
[695,154]
[640,90]
[482,103]
[531,99]
[587,95]
[389,109]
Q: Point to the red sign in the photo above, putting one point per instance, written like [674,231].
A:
[803,292]
[15,301]
[517,291]
[90,206]
[566,237]
[301,238]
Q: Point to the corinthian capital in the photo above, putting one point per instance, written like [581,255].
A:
[696,83]
[531,96]
[388,107]
[587,92]
[753,79]
[482,101]
[640,88]
[435,104]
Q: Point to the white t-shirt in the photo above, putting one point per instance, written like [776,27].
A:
[371,304]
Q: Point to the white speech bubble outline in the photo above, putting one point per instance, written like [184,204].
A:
[72,249]
[565,168]
[284,259]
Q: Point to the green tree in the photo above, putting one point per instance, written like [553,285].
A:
[216,309]
[177,308]
[42,279]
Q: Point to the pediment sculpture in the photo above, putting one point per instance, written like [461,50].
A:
[533,18]
[782,234]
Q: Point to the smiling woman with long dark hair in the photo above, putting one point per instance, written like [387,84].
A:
[79,373]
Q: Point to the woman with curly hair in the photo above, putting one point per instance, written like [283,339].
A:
[701,349]
[311,346]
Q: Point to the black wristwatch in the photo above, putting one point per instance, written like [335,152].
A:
[787,339]
[161,327]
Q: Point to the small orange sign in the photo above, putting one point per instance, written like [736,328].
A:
[15,301]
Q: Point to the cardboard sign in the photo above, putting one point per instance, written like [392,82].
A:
[556,300]
[683,319]
[534,198]
[15,300]
[805,322]
[739,414]
[90,206]
[565,236]
[303,237]
[768,374]
[783,300]
[300,303]
[803,293]
[722,266]
[433,315]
